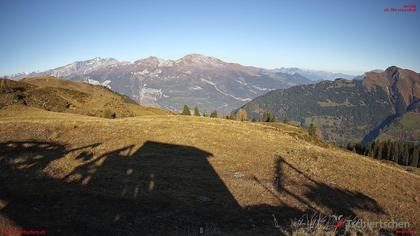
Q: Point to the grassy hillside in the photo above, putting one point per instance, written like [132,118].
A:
[405,128]
[345,110]
[170,175]
[59,95]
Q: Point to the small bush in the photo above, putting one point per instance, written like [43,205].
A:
[109,114]
[242,115]
[229,116]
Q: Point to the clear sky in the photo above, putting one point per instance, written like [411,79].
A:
[341,36]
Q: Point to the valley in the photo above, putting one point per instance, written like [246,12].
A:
[348,110]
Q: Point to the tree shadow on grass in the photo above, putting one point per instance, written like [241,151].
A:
[155,189]
[308,198]
[335,199]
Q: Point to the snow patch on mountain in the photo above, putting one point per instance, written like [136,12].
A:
[259,88]
[242,82]
[150,94]
[95,82]
[226,94]
[143,72]
[196,88]
[165,63]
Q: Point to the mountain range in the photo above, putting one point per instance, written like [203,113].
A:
[314,75]
[194,79]
[349,110]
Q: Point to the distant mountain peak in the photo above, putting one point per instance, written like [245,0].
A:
[101,59]
[376,71]
[392,68]
[199,60]
[153,61]
[384,76]
[314,75]
[195,56]
[402,85]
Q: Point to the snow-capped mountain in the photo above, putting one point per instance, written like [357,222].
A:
[313,75]
[194,79]
[83,67]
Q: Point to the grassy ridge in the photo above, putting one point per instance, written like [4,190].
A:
[59,95]
[156,174]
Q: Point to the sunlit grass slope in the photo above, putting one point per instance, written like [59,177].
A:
[169,174]
[59,95]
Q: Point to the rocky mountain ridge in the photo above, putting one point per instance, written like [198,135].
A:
[194,79]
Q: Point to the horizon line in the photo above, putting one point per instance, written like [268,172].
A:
[345,72]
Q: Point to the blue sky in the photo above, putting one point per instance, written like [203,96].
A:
[340,36]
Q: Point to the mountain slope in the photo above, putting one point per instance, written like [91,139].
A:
[314,75]
[58,95]
[160,175]
[404,128]
[345,110]
[194,80]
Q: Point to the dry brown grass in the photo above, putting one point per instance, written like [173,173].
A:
[53,94]
[165,173]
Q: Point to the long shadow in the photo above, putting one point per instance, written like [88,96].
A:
[155,189]
[369,137]
[317,200]
[337,200]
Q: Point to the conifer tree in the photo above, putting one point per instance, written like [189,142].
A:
[312,130]
[268,117]
[415,159]
[370,150]
[396,152]
[214,114]
[405,155]
[379,152]
[388,150]
[196,111]
[186,111]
